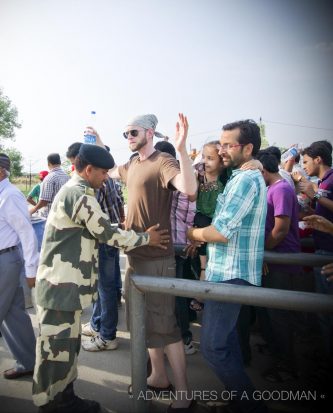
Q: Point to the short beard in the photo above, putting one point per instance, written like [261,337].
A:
[140,144]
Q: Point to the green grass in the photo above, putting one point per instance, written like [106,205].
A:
[23,184]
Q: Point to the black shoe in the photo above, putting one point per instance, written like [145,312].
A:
[75,405]
[78,405]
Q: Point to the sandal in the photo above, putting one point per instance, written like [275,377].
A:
[196,305]
[188,409]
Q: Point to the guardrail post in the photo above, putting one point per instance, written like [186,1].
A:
[138,348]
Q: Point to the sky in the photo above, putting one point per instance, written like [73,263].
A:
[217,61]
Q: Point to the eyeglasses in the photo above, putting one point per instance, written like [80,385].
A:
[133,132]
[227,146]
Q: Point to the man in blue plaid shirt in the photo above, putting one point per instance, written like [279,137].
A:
[234,256]
[102,327]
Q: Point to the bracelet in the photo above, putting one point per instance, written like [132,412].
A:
[203,269]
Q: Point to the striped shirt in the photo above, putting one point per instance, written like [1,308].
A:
[50,187]
[111,200]
[182,216]
[240,217]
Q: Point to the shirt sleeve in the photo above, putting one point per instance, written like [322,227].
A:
[34,193]
[283,202]
[47,189]
[17,216]
[87,212]
[236,205]
[123,171]
[169,169]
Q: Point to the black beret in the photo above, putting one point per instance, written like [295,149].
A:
[96,156]
[4,161]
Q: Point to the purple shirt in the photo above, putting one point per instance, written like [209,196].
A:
[324,241]
[182,215]
[282,200]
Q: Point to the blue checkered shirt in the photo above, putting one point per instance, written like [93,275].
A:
[111,200]
[240,217]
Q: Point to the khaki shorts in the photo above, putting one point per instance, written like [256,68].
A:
[161,323]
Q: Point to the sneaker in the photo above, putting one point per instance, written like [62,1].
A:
[99,344]
[189,348]
[87,330]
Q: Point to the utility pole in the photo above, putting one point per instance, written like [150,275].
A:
[30,172]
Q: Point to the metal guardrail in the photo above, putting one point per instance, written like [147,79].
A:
[265,297]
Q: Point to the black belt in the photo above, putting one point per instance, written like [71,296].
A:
[8,249]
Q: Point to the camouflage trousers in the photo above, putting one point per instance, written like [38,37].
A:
[57,350]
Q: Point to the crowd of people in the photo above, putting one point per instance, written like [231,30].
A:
[229,205]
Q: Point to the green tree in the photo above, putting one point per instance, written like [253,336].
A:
[264,140]
[16,162]
[8,118]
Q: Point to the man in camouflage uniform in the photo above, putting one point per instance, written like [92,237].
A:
[67,279]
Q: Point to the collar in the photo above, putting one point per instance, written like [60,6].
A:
[236,172]
[4,183]
[79,180]
[327,174]
[56,168]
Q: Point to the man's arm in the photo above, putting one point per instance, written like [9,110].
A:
[113,173]
[40,204]
[310,190]
[207,234]
[31,201]
[18,218]
[185,181]
[228,220]
[88,212]
[279,232]
[319,223]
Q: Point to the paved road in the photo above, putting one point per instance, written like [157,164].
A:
[105,376]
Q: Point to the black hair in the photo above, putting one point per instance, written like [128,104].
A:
[249,133]
[54,159]
[80,163]
[73,150]
[274,150]
[269,161]
[322,149]
[165,146]
[297,158]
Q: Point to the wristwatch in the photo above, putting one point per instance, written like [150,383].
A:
[317,195]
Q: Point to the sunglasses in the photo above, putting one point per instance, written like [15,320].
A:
[134,133]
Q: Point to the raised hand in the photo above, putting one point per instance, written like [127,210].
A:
[181,133]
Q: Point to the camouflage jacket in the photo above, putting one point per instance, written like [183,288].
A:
[68,266]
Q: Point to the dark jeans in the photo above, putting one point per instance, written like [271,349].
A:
[105,311]
[325,319]
[183,303]
[202,221]
[220,347]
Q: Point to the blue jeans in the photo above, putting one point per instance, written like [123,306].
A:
[105,311]
[119,283]
[220,347]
